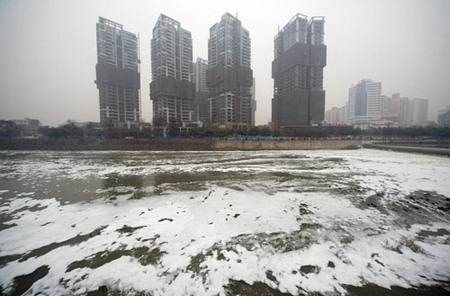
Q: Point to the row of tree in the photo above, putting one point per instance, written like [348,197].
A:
[409,132]
[70,130]
[8,129]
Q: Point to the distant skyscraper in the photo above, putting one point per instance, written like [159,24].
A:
[419,112]
[364,103]
[253,103]
[200,68]
[117,72]
[297,70]
[336,116]
[229,76]
[404,111]
[201,105]
[332,116]
[172,89]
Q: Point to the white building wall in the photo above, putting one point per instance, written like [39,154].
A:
[419,112]
[373,90]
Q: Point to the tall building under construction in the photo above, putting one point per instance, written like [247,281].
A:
[297,70]
[117,73]
[201,105]
[229,77]
[172,89]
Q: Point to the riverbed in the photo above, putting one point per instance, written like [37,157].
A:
[330,222]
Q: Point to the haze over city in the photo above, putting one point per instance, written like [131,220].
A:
[203,147]
[48,49]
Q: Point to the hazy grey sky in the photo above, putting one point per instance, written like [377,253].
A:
[48,48]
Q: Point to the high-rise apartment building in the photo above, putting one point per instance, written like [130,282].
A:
[253,104]
[117,73]
[201,105]
[172,89]
[200,68]
[336,116]
[364,103]
[229,76]
[405,111]
[419,112]
[297,70]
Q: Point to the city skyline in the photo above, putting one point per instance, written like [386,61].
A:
[368,108]
[395,46]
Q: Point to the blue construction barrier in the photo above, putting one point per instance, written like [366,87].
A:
[245,137]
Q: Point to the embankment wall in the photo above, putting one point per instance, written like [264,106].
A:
[411,149]
[175,144]
[280,144]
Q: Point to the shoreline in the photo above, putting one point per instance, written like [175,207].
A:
[410,149]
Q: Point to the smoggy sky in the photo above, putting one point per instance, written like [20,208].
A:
[48,49]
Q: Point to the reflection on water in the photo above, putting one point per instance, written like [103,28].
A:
[116,180]
[115,185]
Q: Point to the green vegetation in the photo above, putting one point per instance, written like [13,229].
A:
[67,130]
[414,132]
[223,132]
[339,131]
[9,130]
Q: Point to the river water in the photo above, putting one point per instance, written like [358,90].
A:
[326,222]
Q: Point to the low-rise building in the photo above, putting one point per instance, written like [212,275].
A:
[29,128]
[444,117]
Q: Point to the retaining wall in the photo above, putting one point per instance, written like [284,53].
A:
[175,144]
[277,144]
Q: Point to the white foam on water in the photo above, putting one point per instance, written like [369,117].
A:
[207,237]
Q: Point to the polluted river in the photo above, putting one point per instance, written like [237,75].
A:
[324,222]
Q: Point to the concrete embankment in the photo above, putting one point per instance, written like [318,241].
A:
[176,144]
[411,149]
[282,144]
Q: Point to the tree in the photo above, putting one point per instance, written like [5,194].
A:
[158,121]
[71,130]
[8,129]
[63,131]
[173,128]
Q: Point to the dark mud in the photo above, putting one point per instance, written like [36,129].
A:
[50,247]
[256,289]
[418,207]
[374,290]
[23,282]
[144,255]
[240,172]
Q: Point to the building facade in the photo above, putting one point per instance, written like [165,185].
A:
[336,116]
[253,104]
[117,73]
[364,103]
[297,70]
[29,128]
[420,112]
[201,104]
[229,77]
[172,89]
